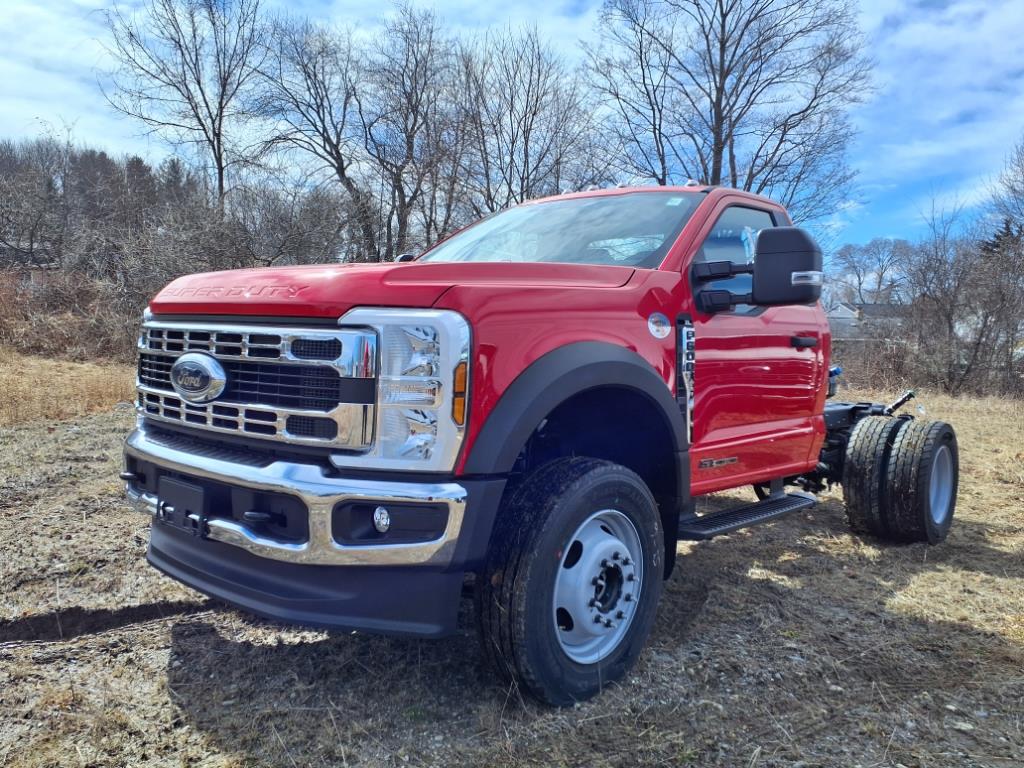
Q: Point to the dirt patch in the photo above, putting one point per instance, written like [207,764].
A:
[794,644]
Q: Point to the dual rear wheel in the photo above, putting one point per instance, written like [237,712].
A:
[900,479]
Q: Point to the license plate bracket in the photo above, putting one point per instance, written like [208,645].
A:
[181,505]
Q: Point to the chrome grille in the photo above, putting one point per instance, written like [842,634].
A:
[316,387]
[306,386]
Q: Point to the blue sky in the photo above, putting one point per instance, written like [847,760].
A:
[947,109]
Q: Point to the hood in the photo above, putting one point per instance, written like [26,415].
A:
[330,290]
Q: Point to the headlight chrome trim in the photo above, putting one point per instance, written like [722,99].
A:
[454,345]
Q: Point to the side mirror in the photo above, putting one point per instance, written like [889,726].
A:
[787,267]
[406,257]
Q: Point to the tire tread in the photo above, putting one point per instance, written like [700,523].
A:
[500,598]
[909,477]
[864,474]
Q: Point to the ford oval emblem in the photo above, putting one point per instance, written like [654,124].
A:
[198,378]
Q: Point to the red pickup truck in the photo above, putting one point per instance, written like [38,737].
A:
[529,408]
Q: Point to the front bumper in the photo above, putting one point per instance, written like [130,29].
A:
[403,588]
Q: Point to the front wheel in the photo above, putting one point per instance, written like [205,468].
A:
[571,586]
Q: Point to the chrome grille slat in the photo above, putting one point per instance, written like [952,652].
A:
[267,382]
[309,386]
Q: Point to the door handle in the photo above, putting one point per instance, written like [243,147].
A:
[803,342]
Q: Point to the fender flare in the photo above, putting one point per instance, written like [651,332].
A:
[559,375]
[551,380]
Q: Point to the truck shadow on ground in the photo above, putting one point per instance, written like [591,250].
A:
[76,621]
[737,613]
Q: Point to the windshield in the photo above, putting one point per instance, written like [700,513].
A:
[631,230]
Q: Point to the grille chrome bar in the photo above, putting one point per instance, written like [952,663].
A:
[257,343]
[354,421]
[288,384]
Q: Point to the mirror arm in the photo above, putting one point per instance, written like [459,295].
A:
[717,270]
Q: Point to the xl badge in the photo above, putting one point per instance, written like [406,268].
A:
[198,378]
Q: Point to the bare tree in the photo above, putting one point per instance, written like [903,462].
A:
[872,273]
[529,121]
[631,72]
[33,207]
[404,108]
[309,90]
[1008,195]
[749,93]
[965,295]
[183,69]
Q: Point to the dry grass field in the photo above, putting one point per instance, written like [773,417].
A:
[794,644]
[35,388]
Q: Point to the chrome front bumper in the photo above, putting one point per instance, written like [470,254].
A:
[318,491]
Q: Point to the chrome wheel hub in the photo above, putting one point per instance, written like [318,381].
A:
[940,489]
[598,586]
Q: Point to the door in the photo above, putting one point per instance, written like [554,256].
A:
[757,371]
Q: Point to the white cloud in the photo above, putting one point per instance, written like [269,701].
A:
[49,66]
[948,108]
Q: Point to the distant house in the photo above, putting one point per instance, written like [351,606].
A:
[842,318]
[866,321]
[881,321]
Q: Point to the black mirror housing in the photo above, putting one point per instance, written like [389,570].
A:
[406,257]
[787,267]
[711,302]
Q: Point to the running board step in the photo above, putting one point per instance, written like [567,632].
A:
[715,524]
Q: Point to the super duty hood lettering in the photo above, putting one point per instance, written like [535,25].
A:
[216,291]
[331,290]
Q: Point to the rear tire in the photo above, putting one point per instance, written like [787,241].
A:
[540,611]
[864,474]
[923,478]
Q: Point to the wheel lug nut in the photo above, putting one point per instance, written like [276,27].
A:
[628,598]
[595,581]
[593,602]
[597,619]
[631,577]
[627,561]
[608,623]
[604,562]
[620,615]
[616,555]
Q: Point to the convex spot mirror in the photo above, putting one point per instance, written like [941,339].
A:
[787,267]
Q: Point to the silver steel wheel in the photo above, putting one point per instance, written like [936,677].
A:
[940,490]
[597,587]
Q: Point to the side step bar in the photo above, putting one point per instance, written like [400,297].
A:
[694,528]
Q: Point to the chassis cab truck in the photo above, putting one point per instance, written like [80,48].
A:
[536,401]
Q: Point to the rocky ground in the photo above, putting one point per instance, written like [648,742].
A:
[794,644]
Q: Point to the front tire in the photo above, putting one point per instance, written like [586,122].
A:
[570,591]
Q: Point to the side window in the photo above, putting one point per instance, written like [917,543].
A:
[732,239]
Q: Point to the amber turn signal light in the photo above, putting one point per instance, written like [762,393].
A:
[459,393]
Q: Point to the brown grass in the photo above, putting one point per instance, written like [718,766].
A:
[42,389]
[793,644]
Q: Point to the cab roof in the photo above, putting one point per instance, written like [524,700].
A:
[711,191]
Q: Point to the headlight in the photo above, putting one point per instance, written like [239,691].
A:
[422,388]
[147,315]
